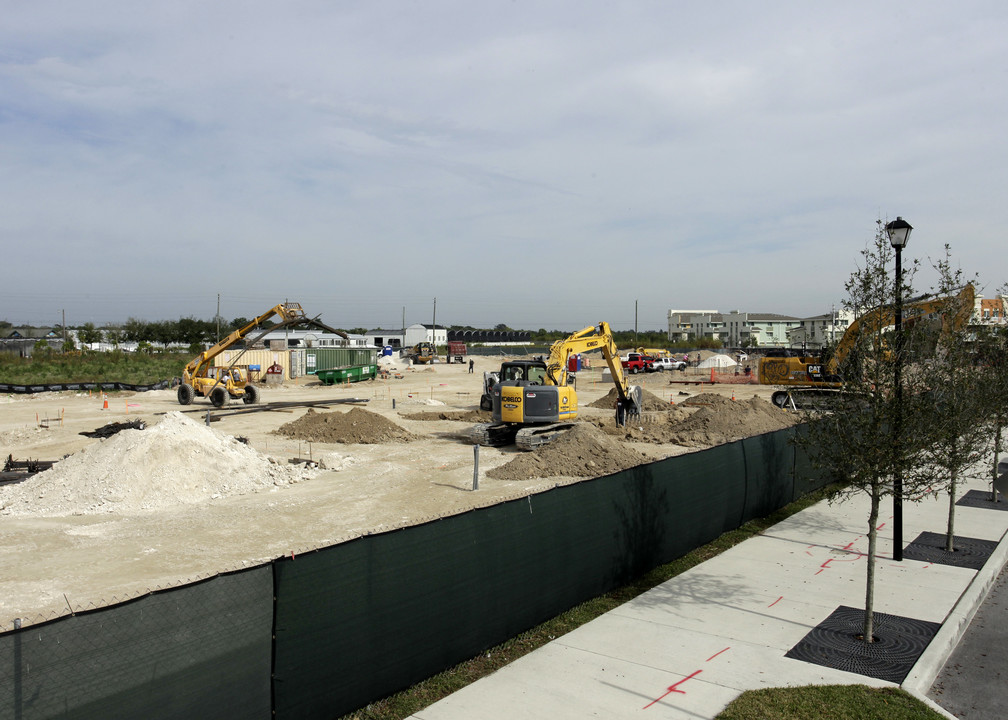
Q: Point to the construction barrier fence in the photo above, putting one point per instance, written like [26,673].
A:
[320,634]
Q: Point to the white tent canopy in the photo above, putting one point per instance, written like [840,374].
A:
[717,361]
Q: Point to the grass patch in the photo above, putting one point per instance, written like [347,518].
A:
[115,366]
[837,702]
[409,701]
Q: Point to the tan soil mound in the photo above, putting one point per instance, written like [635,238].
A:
[705,421]
[649,401]
[583,451]
[472,416]
[356,426]
[178,461]
[719,420]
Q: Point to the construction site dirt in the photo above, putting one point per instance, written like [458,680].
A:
[310,466]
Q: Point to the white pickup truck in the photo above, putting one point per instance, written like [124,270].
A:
[663,364]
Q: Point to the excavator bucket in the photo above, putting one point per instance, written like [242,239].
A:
[631,407]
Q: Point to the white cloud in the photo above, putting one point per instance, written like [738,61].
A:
[538,164]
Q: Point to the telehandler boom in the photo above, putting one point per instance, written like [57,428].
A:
[199,377]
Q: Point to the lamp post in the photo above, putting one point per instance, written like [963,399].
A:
[899,232]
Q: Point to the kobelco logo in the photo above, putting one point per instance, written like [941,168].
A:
[511,398]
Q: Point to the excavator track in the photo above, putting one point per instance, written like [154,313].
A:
[530,438]
[807,398]
[492,434]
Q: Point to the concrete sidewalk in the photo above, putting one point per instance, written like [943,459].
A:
[691,645]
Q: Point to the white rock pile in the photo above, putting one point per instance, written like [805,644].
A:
[175,462]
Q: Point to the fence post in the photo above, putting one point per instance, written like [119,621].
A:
[17,670]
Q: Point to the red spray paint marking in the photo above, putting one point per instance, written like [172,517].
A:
[673,689]
[775,601]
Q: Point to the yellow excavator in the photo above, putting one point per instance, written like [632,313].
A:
[221,384]
[808,380]
[532,401]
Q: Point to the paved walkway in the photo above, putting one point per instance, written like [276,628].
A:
[972,684]
[691,645]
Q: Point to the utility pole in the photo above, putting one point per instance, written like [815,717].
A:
[434,323]
[635,321]
[64,327]
[218,317]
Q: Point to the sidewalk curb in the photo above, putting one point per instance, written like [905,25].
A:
[937,653]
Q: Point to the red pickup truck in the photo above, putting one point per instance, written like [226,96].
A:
[637,363]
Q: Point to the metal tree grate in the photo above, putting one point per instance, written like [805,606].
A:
[981,499]
[836,643]
[969,553]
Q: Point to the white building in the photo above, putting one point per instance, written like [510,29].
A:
[745,329]
[437,334]
[301,338]
[815,332]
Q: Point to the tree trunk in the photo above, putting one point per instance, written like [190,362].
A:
[998,427]
[950,532]
[869,614]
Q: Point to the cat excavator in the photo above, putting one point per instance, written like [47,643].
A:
[533,401]
[811,381]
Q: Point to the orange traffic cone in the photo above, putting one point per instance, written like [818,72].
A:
[104,402]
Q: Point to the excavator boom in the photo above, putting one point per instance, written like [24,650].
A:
[533,402]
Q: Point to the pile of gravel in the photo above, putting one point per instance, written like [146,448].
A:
[176,462]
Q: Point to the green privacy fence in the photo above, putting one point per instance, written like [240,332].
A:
[327,632]
[202,650]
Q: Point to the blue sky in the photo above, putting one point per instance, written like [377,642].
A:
[538,164]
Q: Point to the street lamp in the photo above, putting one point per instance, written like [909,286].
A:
[899,232]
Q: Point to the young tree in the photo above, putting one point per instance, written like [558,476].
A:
[992,365]
[949,383]
[863,437]
[88,334]
[113,335]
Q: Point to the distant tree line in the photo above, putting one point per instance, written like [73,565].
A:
[194,332]
[191,332]
[623,338]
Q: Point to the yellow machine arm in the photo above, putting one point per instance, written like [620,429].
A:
[290,313]
[587,340]
[874,320]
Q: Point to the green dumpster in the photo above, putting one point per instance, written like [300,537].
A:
[346,374]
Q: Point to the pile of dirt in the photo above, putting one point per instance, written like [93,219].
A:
[178,461]
[718,420]
[649,401]
[704,421]
[583,451]
[358,426]
[470,416]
